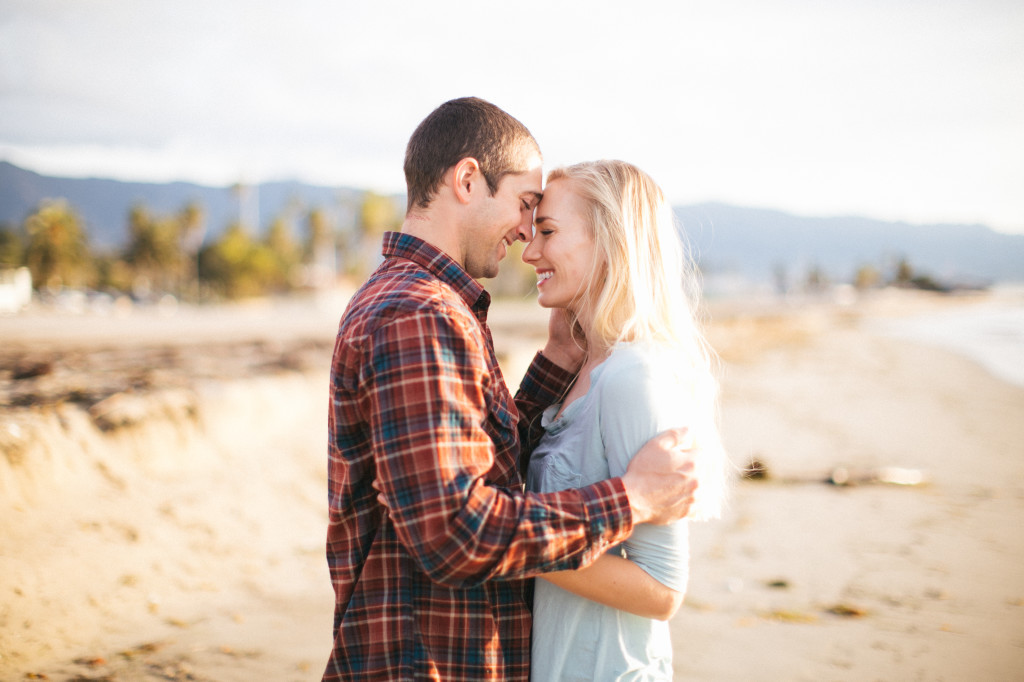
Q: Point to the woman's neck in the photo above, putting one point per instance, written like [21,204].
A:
[585,319]
[596,354]
[597,350]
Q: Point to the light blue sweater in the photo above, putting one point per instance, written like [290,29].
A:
[634,394]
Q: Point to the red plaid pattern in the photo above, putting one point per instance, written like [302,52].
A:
[432,583]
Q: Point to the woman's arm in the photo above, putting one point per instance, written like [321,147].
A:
[638,398]
[620,584]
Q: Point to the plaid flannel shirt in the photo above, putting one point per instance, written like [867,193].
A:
[431,538]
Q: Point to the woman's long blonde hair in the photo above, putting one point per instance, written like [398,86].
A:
[646,290]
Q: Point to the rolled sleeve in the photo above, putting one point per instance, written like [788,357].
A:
[434,429]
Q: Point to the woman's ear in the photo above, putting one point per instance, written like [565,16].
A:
[466,175]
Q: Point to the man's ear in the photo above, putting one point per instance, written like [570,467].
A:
[466,177]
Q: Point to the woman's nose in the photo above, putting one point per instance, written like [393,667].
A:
[531,251]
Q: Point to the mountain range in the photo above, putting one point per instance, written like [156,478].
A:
[753,243]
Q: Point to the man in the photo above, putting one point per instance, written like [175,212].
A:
[431,537]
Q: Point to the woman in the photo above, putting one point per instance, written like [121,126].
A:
[606,250]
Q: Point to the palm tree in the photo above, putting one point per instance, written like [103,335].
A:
[57,253]
[192,219]
[154,249]
[320,255]
[377,215]
[12,248]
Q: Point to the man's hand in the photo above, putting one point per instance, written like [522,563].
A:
[566,347]
[659,480]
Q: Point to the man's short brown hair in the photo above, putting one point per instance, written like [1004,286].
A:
[461,128]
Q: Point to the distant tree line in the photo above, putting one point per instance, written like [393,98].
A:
[170,254]
[900,274]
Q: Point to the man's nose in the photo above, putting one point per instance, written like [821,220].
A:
[524,231]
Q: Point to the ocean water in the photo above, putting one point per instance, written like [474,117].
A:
[990,332]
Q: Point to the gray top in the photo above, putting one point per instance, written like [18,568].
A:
[637,392]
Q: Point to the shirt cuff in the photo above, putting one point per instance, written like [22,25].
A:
[609,515]
[545,381]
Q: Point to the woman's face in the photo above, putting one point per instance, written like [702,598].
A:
[562,250]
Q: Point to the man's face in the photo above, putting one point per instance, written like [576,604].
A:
[503,219]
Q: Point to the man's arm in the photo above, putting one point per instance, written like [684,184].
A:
[636,399]
[424,388]
[660,480]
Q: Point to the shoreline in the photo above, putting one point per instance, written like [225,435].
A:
[990,332]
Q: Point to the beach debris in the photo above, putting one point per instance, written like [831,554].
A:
[846,611]
[701,606]
[842,476]
[790,616]
[777,584]
[142,649]
[900,476]
[756,470]
[176,670]
[28,369]
[237,653]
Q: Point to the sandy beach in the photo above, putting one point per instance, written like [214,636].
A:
[162,497]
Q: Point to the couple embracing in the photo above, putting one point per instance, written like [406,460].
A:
[477,536]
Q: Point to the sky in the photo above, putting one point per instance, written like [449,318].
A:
[909,110]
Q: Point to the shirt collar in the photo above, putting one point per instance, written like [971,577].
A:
[439,264]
